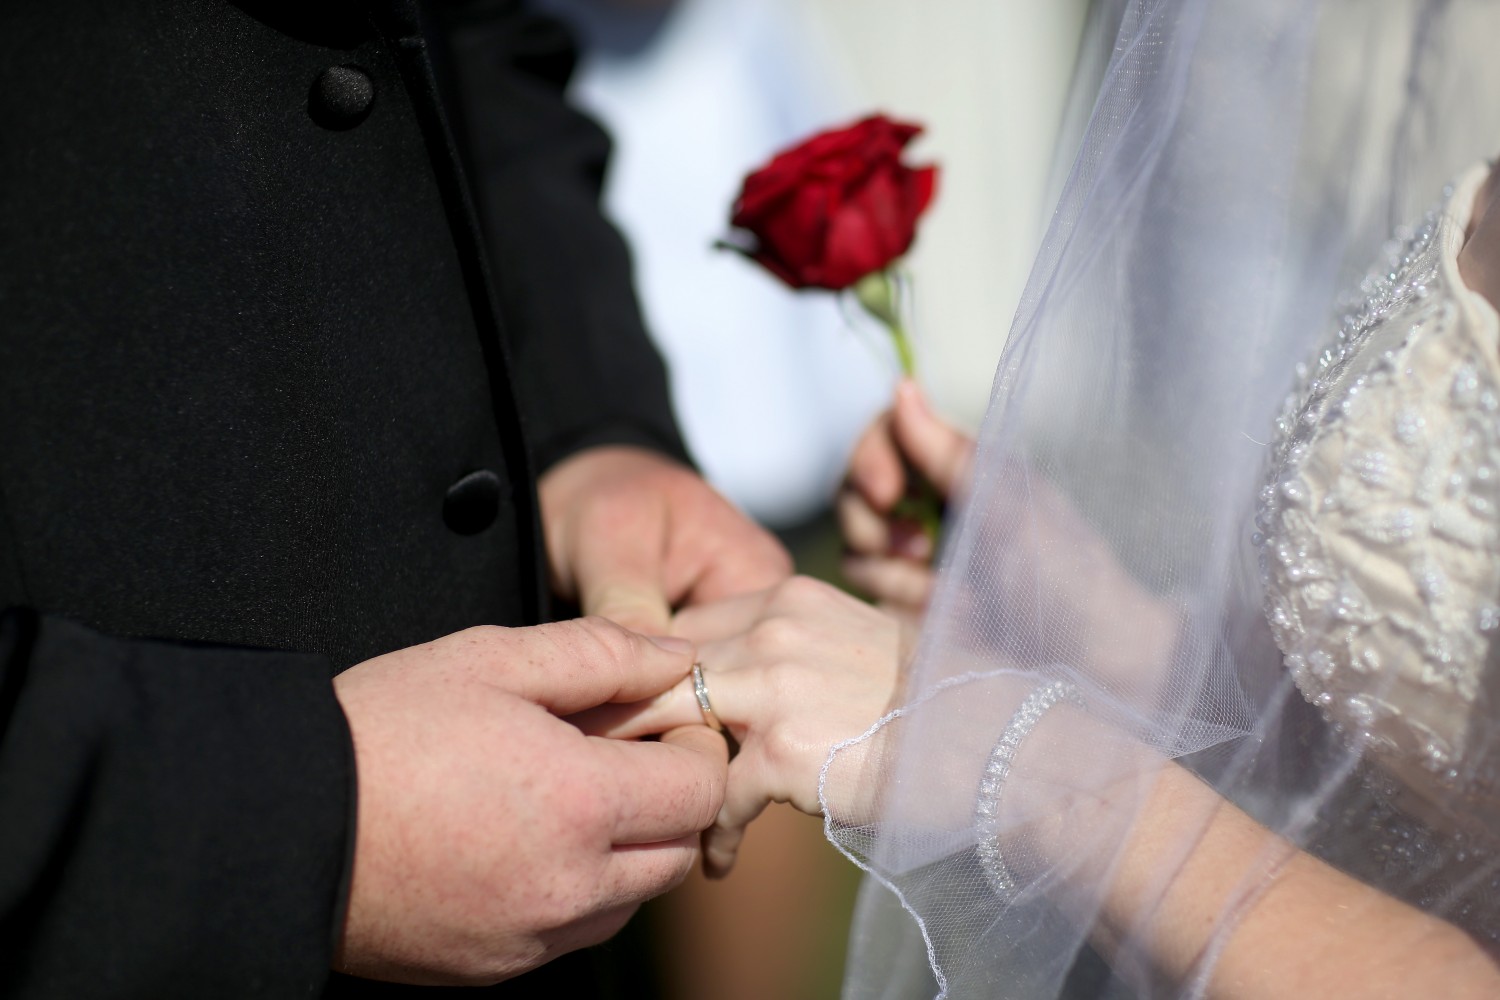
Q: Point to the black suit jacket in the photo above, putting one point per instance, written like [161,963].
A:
[266,410]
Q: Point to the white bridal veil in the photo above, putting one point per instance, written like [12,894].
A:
[1107,596]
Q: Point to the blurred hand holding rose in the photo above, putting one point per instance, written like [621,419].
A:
[837,212]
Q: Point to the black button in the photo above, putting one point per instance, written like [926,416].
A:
[472,503]
[341,97]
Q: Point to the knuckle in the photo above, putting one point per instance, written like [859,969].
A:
[590,809]
[703,801]
[606,632]
[800,590]
[712,803]
[475,648]
[587,803]
[769,637]
[607,643]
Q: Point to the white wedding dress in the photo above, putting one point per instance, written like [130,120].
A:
[1379,531]
[1298,602]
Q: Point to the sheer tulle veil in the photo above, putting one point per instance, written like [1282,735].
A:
[1240,164]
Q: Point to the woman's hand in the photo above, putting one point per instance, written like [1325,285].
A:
[888,558]
[1049,559]
[790,671]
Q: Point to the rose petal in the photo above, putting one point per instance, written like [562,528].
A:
[853,249]
[924,182]
[838,206]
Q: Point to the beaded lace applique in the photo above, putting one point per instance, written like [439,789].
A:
[1379,529]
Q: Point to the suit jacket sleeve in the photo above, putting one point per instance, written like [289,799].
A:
[175,817]
[587,371]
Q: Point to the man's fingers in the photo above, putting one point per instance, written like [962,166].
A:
[936,449]
[617,567]
[667,790]
[639,605]
[567,667]
[875,467]
[638,872]
[596,928]
[736,697]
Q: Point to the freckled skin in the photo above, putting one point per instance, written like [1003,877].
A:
[492,835]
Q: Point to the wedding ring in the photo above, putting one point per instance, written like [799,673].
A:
[700,691]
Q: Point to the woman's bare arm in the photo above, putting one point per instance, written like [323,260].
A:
[1312,931]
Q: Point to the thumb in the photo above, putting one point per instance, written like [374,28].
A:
[576,665]
[934,447]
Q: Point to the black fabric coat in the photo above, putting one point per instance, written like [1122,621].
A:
[272,401]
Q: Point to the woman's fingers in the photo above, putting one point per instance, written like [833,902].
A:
[898,582]
[864,529]
[733,616]
[674,707]
[745,798]
[736,700]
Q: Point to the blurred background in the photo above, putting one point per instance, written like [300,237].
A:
[773,388]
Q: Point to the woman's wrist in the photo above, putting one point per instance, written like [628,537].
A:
[1049,814]
[989,819]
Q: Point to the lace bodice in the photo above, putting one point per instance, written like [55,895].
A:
[1379,531]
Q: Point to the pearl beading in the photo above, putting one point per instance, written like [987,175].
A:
[1407,480]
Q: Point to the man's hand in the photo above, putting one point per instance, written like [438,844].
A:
[631,535]
[492,835]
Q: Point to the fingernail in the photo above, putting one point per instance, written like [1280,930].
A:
[672,644]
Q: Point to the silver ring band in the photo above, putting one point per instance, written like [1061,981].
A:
[700,691]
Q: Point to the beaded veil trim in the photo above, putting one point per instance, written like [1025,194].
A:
[997,769]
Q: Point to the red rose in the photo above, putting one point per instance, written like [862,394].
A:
[838,207]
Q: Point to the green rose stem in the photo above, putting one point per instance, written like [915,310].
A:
[879,294]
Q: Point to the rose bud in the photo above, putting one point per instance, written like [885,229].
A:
[837,208]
